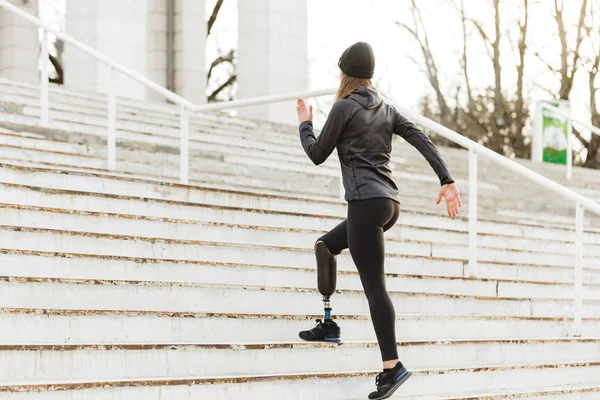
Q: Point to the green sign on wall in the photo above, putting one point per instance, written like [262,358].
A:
[555,132]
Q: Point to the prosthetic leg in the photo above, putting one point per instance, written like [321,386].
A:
[326,275]
[327,330]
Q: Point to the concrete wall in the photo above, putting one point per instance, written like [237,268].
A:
[134,33]
[272,54]
[114,27]
[190,49]
[156,46]
[19,44]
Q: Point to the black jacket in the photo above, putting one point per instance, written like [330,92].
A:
[361,126]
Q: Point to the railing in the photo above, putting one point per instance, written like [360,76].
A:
[185,105]
[475,150]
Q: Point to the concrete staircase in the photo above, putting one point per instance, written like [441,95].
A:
[128,285]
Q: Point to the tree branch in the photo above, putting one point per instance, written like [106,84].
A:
[580,36]
[229,82]
[580,138]
[60,79]
[213,16]
[486,39]
[552,93]
[229,57]
[465,61]
[546,63]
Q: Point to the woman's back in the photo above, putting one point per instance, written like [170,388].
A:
[361,126]
[365,145]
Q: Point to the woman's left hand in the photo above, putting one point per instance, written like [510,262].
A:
[450,193]
[304,114]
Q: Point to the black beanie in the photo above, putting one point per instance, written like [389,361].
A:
[358,61]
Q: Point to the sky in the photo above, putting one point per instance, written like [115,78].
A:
[333,25]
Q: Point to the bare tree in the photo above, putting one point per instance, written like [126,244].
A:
[489,115]
[571,60]
[593,145]
[226,58]
[419,33]
[568,69]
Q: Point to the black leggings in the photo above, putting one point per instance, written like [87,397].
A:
[362,233]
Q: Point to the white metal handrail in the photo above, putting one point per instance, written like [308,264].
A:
[580,201]
[228,105]
[185,105]
[112,98]
[475,149]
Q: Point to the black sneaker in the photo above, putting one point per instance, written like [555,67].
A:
[327,331]
[388,382]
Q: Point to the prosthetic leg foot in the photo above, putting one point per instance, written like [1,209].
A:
[327,330]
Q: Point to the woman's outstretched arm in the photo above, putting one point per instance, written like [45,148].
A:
[421,142]
[318,149]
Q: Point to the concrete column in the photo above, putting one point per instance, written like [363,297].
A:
[19,44]
[272,51]
[116,28]
[156,51]
[134,33]
[190,50]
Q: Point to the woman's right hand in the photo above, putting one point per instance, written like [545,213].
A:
[450,193]
[304,113]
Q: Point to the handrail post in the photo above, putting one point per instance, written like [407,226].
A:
[184,147]
[111,139]
[44,80]
[578,281]
[472,266]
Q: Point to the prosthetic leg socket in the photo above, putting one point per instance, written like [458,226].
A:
[326,275]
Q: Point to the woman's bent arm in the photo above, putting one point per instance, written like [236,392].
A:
[319,148]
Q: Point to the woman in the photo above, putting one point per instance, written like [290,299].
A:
[360,125]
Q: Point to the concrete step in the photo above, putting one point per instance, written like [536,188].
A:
[277,132]
[492,278]
[169,113]
[132,187]
[495,173]
[140,113]
[67,120]
[135,361]
[430,279]
[64,152]
[85,147]
[49,326]
[583,392]
[432,384]
[244,177]
[168,140]
[277,185]
[96,104]
[146,237]
[549,204]
[412,225]
[254,177]
[163,180]
[96,294]
[301,157]
[117,182]
[162,147]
